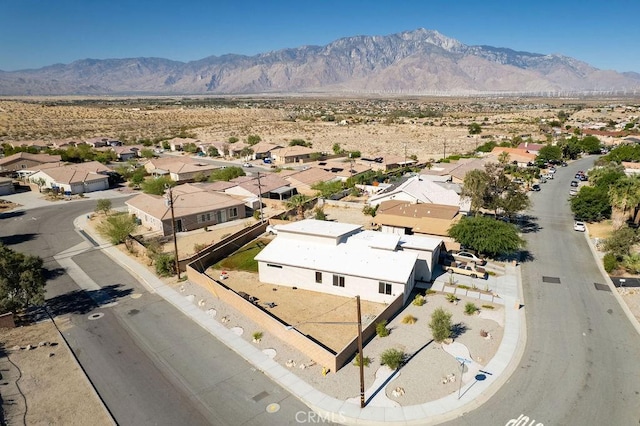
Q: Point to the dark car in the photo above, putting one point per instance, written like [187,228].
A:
[535,187]
[574,183]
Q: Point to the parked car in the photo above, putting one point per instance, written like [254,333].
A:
[465,256]
[573,192]
[579,226]
[469,269]
[574,183]
[564,164]
[535,187]
[247,165]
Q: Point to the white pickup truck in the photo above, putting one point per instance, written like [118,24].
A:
[469,269]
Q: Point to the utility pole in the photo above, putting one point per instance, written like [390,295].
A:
[362,401]
[444,154]
[173,229]
[405,155]
[260,198]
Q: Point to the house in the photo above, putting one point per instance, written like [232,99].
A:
[343,170]
[35,145]
[304,180]
[401,217]
[179,169]
[345,260]
[71,179]
[194,208]
[6,186]
[236,149]
[291,154]
[532,148]
[422,189]
[24,161]
[100,142]
[268,186]
[455,171]
[518,156]
[127,152]
[177,144]
[263,150]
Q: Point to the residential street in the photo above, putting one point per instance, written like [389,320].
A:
[149,363]
[580,362]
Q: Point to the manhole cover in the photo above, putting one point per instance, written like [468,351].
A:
[551,280]
[601,287]
[273,408]
[95,316]
[136,296]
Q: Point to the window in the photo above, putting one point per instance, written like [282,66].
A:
[271,265]
[206,217]
[384,288]
[319,277]
[233,212]
[338,280]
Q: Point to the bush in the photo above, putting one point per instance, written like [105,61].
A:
[356,361]
[419,300]
[488,307]
[319,214]
[428,292]
[451,298]
[103,206]
[117,227]
[381,329]
[484,333]
[165,265]
[392,358]
[470,308]
[610,262]
[257,335]
[409,319]
[199,247]
[440,325]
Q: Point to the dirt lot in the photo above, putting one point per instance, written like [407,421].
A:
[55,389]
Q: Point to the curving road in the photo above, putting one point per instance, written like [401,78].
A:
[580,365]
[149,363]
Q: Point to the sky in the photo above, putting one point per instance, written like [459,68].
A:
[37,33]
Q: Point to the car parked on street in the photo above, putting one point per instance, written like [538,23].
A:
[535,187]
[574,183]
[579,226]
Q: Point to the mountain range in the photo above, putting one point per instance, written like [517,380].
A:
[412,62]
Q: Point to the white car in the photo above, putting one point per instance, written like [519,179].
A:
[247,165]
[465,256]
[579,226]
[573,192]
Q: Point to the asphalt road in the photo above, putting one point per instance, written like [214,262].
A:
[149,363]
[580,365]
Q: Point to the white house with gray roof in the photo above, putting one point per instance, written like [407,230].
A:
[345,260]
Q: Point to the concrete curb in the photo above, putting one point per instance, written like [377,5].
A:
[614,289]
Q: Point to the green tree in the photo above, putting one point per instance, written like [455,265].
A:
[22,280]
[232,139]
[620,242]
[300,142]
[624,197]
[392,358]
[590,144]
[253,139]
[226,174]
[103,205]
[157,186]
[298,202]
[147,153]
[213,151]
[513,200]
[246,152]
[486,235]
[476,188]
[337,149]
[591,204]
[440,325]
[137,176]
[549,152]
[117,227]
[190,147]
[475,128]
[327,188]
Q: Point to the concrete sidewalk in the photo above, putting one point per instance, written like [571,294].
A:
[473,394]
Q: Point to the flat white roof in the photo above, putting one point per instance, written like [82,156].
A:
[321,228]
[419,242]
[344,259]
[374,239]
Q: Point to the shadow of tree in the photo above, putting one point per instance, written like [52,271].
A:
[528,224]
[52,274]
[83,301]
[16,239]
[9,215]
[458,330]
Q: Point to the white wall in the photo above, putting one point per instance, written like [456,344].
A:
[366,288]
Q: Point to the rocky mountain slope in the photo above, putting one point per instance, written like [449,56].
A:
[413,62]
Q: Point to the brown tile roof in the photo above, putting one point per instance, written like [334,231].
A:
[88,166]
[268,183]
[186,204]
[515,154]
[311,176]
[423,218]
[71,175]
[41,158]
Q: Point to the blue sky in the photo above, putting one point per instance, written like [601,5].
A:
[36,33]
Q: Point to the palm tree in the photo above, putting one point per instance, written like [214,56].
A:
[298,202]
[624,196]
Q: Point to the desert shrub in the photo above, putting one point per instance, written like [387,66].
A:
[409,319]
[370,210]
[381,329]
[440,325]
[356,361]
[464,287]
[103,205]
[392,358]
[257,335]
[610,262]
[483,333]
[165,265]
[319,214]
[117,227]
[451,298]
[199,247]
[488,307]
[470,308]
[428,292]
[419,300]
